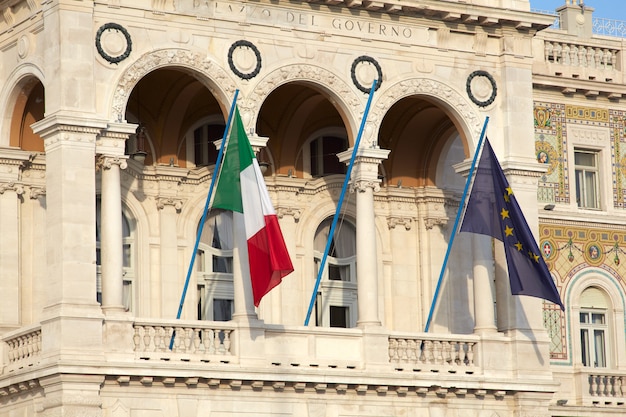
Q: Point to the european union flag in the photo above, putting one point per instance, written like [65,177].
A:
[492,210]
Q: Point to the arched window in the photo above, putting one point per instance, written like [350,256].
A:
[214,267]
[594,328]
[128,244]
[336,299]
[201,147]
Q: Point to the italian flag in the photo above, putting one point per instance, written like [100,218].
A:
[241,188]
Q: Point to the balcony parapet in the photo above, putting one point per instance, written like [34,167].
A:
[606,388]
[22,348]
[450,353]
[590,66]
[194,341]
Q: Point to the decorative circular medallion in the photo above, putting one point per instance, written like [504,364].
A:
[113,42]
[244,56]
[547,249]
[481,88]
[366,74]
[593,254]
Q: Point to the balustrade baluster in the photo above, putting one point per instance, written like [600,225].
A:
[393,350]
[402,351]
[412,351]
[593,386]
[226,341]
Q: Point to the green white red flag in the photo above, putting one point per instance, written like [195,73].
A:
[241,188]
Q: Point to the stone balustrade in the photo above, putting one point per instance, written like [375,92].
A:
[579,55]
[454,352]
[607,387]
[23,348]
[200,341]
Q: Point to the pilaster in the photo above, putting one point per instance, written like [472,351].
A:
[72,320]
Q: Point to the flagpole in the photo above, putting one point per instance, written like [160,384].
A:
[339,204]
[456,225]
[216,170]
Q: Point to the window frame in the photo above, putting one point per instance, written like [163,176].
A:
[583,170]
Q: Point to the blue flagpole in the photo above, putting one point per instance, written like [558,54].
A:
[339,204]
[204,213]
[456,225]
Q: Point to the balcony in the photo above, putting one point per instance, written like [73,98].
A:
[251,352]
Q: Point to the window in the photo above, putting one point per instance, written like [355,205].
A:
[323,151]
[593,328]
[336,300]
[586,172]
[214,266]
[204,149]
[127,251]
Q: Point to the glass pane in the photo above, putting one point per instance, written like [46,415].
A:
[339,272]
[339,316]
[126,255]
[223,264]
[200,261]
[127,295]
[597,318]
[585,159]
[598,340]
[590,189]
[315,158]
[222,309]
[584,317]
[584,346]
[198,147]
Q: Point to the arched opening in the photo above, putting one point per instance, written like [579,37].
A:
[29,108]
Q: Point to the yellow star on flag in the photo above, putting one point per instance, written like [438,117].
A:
[504,214]
[519,246]
[508,231]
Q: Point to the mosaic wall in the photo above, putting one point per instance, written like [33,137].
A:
[551,121]
[570,249]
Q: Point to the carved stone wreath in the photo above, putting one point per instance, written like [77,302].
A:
[481,88]
[366,59]
[233,67]
[101,51]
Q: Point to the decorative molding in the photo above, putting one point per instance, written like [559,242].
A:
[106,162]
[36,192]
[233,65]
[394,221]
[432,88]
[127,50]
[362,185]
[162,58]
[177,203]
[480,87]
[364,59]
[289,211]
[310,73]
[431,222]
[12,186]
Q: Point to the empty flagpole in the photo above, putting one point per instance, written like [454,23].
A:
[338,211]
[456,225]
[216,170]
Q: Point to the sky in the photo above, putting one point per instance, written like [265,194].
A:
[609,9]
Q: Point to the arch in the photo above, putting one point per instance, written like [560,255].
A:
[25,76]
[341,95]
[221,83]
[460,110]
[598,278]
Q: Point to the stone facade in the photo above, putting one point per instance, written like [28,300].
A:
[112,115]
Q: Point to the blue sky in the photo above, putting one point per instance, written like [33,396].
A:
[610,9]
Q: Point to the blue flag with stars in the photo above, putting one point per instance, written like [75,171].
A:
[492,210]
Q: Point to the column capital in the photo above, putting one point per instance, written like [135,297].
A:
[12,186]
[362,185]
[289,211]
[106,162]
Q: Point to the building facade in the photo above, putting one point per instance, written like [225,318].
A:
[112,112]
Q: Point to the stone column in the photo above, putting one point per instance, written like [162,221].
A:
[483,271]
[365,182]
[71,312]
[111,239]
